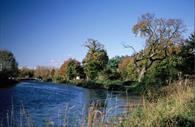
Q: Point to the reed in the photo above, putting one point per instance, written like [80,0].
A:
[174,107]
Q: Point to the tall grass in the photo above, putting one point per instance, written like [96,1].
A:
[24,119]
[171,106]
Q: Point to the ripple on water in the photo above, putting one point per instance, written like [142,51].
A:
[49,101]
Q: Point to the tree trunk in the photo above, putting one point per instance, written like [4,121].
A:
[142,74]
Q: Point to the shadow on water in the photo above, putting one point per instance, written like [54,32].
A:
[58,103]
[8,83]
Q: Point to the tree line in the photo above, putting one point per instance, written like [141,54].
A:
[166,55]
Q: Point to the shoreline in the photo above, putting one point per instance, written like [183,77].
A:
[110,85]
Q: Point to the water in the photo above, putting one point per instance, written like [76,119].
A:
[55,102]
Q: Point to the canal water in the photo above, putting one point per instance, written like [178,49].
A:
[44,103]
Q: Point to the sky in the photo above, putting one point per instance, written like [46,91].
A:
[47,32]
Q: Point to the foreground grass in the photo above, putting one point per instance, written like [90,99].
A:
[171,106]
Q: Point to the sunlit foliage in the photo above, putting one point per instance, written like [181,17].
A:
[95,59]
[43,73]
[71,69]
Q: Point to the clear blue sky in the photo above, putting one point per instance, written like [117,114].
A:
[45,32]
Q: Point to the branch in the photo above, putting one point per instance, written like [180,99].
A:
[135,59]
[158,59]
[131,47]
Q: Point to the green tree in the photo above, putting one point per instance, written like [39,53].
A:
[163,72]
[130,70]
[188,55]
[180,60]
[8,65]
[112,68]
[110,72]
[95,59]
[113,63]
[162,37]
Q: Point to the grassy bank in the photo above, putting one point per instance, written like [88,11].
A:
[117,85]
[170,106]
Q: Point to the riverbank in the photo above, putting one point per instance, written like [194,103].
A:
[111,85]
[116,85]
[169,106]
[172,105]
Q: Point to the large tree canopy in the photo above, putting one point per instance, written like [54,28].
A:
[95,59]
[163,37]
[8,65]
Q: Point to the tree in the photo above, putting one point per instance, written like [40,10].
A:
[55,75]
[43,73]
[123,65]
[70,69]
[112,68]
[95,59]
[8,65]
[113,63]
[26,72]
[188,55]
[162,36]
[110,72]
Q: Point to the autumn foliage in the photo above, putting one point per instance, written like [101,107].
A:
[71,69]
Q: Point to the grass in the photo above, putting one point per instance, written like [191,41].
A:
[169,106]
[24,119]
[172,106]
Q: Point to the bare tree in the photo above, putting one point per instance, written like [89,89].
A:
[93,45]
